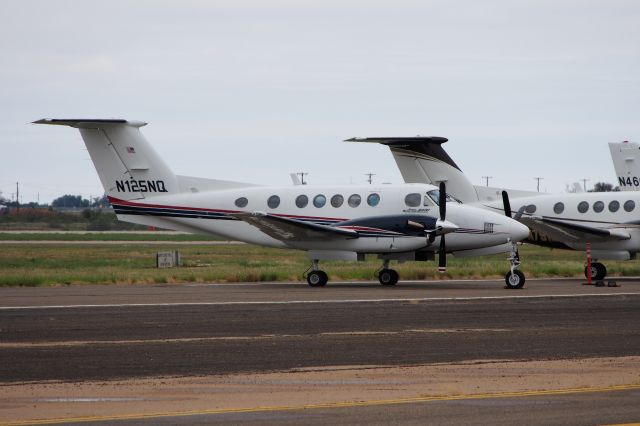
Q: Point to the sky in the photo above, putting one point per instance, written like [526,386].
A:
[255,90]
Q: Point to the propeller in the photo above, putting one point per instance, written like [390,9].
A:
[442,252]
[507,207]
[506,203]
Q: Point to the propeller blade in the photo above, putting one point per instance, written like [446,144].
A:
[442,202]
[506,203]
[519,213]
[442,256]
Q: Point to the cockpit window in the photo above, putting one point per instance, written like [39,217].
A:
[435,196]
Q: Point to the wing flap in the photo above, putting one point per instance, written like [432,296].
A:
[285,229]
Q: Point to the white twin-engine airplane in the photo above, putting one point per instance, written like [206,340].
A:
[608,221]
[396,222]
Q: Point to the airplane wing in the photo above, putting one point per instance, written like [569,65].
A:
[285,229]
[562,231]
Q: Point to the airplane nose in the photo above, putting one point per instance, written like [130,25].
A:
[518,231]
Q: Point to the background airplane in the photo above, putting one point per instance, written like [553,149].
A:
[626,162]
[608,222]
[396,222]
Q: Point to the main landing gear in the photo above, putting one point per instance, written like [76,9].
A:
[387,276]
[514,278]
[317,278]
[598,271]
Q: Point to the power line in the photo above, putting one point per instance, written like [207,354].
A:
[370,179]
[584,184]
[538,179]
[302,175]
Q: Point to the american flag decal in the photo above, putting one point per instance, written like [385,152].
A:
[130,150]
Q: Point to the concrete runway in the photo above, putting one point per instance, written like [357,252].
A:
[598,408]
[83,333]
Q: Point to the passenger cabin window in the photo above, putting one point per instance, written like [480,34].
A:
[319,200]
[273,202]
[413,200]
[598,206]
[435,197]
[354,200]
[629,205]
[583,207]
[558,208]
[242,202]
[614,206]
[302,201]
[337,200]
[373,199]
[531,209]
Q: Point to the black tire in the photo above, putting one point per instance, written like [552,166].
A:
[317,279]
[598,271]
[388,277]
[514,281]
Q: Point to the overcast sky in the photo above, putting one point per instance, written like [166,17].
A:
[254,90]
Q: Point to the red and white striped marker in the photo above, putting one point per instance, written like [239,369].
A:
[588,263]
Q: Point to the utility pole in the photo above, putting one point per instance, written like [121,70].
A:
[302,175]
[538,179]
[486,179]
[370,179]
[584,184]
[17,198]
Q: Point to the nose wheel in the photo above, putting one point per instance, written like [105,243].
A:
[514,279]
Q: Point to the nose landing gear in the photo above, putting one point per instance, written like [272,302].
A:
[514,278]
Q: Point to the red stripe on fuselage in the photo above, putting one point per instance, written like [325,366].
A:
[114,200]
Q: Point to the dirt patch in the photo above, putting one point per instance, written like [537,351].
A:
[309,386]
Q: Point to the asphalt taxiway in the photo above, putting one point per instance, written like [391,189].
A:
[105,333]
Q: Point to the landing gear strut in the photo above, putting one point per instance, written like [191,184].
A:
[387,276]
[598,271]
[514,278]
[316,278]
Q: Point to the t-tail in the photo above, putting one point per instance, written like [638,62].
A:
[422,159]
[128,166]
[626,161]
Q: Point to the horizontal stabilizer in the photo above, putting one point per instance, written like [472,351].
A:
[88,123]
[401,140]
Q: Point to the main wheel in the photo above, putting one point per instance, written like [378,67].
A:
[388,277]
[317,278]
[598,271]
[515,280]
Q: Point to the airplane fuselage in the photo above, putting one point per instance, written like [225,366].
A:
[615,212]
[377,213]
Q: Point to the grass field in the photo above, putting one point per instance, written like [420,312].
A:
[35,265]
[99,236]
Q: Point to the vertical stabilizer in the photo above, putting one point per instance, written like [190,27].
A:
[626,161]
[423,160]
[128,167]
